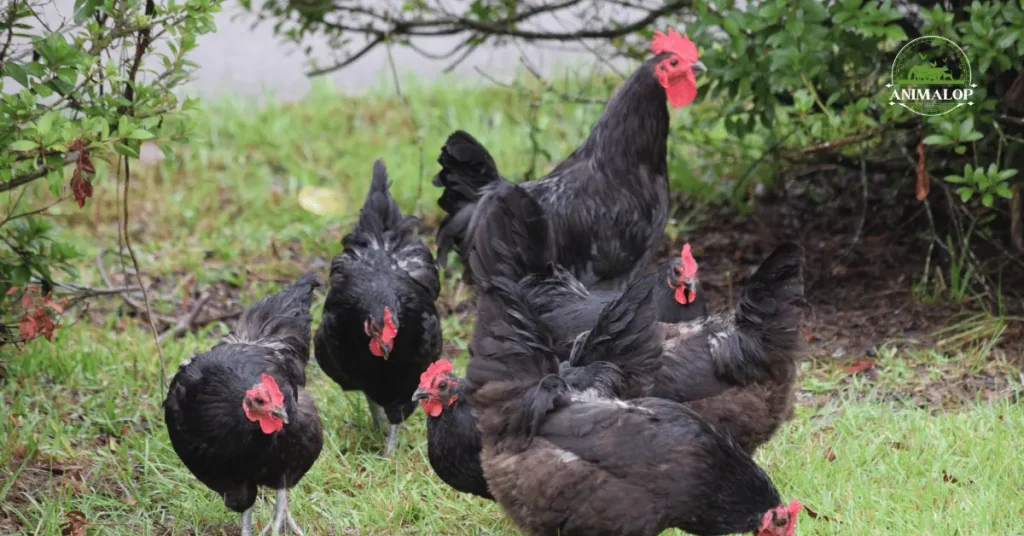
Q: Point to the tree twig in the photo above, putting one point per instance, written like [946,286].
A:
[186,322]
[39,173]
[416,125]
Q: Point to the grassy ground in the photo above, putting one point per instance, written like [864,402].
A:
[882,451]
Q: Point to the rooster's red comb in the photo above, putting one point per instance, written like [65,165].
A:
[441,366]
[689,264]
[679,45]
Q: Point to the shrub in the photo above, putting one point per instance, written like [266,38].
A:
[79,93]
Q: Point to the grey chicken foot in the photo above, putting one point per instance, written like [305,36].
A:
[392,439]
[247,522]
[377,414]
[282,516]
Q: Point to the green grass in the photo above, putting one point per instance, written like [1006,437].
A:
[871,453]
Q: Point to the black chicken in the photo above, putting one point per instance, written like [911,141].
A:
[453,441]
[767,341]
[238,415]
[513,241]
[380,329]
[738,369]
[563,462]
[608,201]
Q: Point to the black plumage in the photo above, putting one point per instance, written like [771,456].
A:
[738,369]
[569,463]
[384,279]
[607,202]
[221,413]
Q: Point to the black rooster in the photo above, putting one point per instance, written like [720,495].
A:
[380,329]
[238,415]
[608,201]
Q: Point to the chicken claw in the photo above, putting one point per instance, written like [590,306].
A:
[282,516]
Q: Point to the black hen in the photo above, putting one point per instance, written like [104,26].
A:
[738,369]
[561,462]
[607,201]
[380,329]
[238,415]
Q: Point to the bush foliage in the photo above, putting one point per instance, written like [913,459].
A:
[80,96]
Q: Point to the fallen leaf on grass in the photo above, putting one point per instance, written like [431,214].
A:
[946,477]
[75,524]
[322,201]
[859,365]
[830,454]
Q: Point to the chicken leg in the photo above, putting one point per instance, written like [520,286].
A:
[375,414]
[247,522]
[282,516]
[392,439]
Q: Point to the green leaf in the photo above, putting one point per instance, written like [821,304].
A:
[1007,40]
[895,33]
[974,135]
[955,179]
[139,134]
[55,180]
[1007,173]
[1004,191]
[123,127]
[45,123]
[84,9]
[34,68]
[20,275]
[966,127]
[960,149]
[17,73]
[126,150]
[24,145]
[987,200]
[965,193]
[937,139]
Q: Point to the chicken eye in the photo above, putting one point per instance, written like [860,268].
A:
[442,385]
[674,62]
[259,401]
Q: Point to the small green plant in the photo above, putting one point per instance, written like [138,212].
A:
[987,184]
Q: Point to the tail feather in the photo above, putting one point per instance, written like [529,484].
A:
[511,237]
[467,169]
[769,313]
[280,321]
[380,212]
[509,333]
[626,334]
[512,378]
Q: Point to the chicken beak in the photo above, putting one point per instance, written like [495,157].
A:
[280,413]
[698,68]
[420,394]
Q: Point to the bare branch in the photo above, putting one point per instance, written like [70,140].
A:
[382,27]
[350,60]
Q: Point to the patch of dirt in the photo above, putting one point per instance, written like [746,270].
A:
[860,265]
